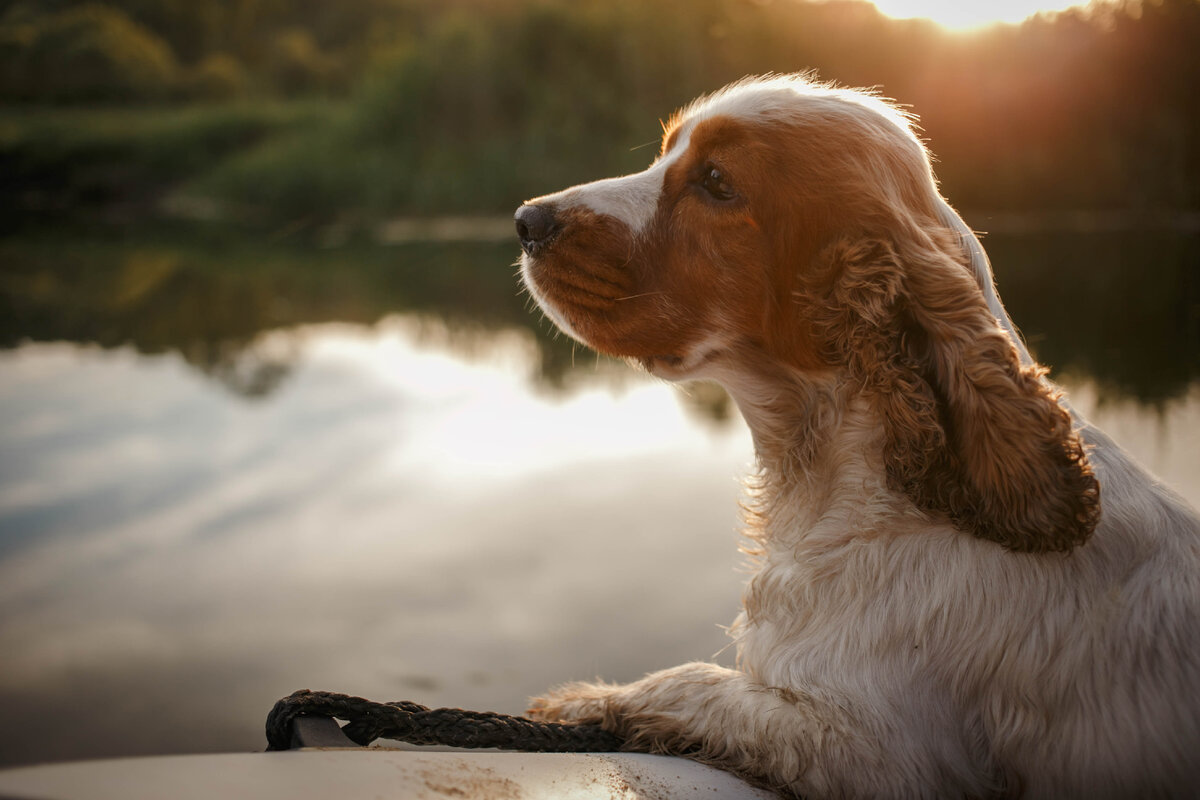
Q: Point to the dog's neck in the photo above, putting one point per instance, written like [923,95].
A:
[818,447]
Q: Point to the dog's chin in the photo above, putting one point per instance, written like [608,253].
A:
[689,364]
[547,306]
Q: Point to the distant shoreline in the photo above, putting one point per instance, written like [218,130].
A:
[1082,221]
[492,228]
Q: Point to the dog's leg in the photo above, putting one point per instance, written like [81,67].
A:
[807,743]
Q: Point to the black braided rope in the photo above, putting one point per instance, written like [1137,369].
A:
[367,721]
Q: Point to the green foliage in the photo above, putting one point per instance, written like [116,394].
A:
[218,76]
[475,114]
[472,105]
[457,110]
[62,159]
[90,52]
[309,175]
[295,65]
[446,125]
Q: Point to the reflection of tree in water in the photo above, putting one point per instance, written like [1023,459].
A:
[241,368]
[208,296]
[1121,308]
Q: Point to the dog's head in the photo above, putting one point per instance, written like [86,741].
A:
[797,225]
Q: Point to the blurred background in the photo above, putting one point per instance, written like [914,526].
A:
[274,413]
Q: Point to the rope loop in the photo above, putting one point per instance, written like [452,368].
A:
[367,721]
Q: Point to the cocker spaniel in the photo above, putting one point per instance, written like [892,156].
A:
[961,588]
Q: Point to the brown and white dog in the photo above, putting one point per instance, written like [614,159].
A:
[962,589]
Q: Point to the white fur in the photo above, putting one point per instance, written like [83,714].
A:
[631,199]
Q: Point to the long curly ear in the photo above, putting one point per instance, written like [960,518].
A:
[969,431]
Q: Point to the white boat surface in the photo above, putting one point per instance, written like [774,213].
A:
[378,773]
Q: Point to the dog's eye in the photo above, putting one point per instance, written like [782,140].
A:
[715,184]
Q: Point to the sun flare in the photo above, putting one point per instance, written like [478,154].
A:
[961,16]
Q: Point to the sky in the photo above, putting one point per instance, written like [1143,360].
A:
[968,14]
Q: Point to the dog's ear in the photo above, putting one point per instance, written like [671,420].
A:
[969,431]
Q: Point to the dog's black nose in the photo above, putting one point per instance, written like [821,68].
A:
[535,226]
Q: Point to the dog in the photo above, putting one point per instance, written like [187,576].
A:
[962,588]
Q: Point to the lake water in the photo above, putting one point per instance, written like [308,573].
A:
[232,468]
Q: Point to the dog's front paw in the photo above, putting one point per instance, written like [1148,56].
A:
[585,703]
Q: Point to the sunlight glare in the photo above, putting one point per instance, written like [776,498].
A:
[961,16]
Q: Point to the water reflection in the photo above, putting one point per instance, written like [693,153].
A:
[230,470]
[394,520]
[208,292]
[1120,308]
